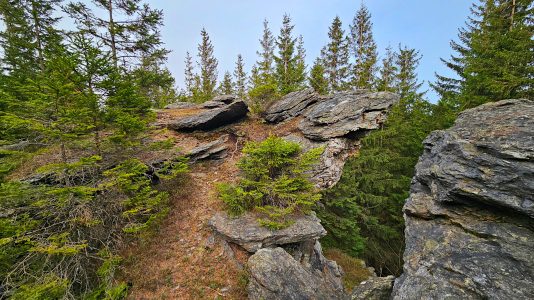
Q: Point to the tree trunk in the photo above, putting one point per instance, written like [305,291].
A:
[37,33]
[512,15]
[112,33]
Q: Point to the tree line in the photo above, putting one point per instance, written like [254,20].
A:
[76,105]
[493,60]
[348,61]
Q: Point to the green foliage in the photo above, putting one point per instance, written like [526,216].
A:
[363,48]
[274,182]
[317,79]
[493,58]
[363,212]
[289,74]
[65,230]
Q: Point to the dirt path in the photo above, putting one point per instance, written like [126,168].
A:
[176,263]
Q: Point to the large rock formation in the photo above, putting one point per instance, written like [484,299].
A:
[291,105]
[275,274]
[346,113]
[335,122]
[374,288]
[470,215]
[288,263]
[246,232]
[220,111]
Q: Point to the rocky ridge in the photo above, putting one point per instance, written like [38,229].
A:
[469,217]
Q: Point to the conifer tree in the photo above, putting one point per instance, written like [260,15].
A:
[130,29]
[317,79]
[265,65]
[335,57]
[388,72]
[288,74]
[189,73]
[493,59]
[407,61]
[300,69]
[363,48]
[227,86]
[208,67]
[240,77]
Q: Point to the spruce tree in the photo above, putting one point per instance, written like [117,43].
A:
[300,68]
[265,65]
[363,48]
[335,57]
[317,78]
[208,67]
[287,70]
[493,59]
[388,72]
[130,29]
[227,86]
[189,73]
[240,77]
[407,61]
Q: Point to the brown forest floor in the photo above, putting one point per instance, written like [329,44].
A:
[175,263]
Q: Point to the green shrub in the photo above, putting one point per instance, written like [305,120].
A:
[57,241]
[274,182]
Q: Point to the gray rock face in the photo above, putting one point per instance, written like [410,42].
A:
[291,105]
[469,218]
[374,288]
[275,274]
[213,114]
[217,149]
[179,105]
[327,172]
[346,113]
[247,233]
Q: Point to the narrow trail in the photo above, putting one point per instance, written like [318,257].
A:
[179,262]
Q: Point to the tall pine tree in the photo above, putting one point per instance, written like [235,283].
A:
[240,77]
[363,48]
[289,74]
[493,59]
[207,64]
[335,57]
[388,71]
[317,78]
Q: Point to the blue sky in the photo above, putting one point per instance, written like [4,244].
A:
[236,25]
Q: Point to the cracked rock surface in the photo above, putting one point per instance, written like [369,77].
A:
[470,214]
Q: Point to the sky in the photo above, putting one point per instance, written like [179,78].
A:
[235,26]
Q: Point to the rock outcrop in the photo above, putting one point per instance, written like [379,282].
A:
[275,274]
[246,232]
[374,288]
[217,149]
[291,105]
[220,111]
[287,263]
[346,113]
[470,214]
[335,122]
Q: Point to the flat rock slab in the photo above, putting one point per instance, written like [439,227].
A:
[374,288]
[470,214]
[345,113]
[246,232]
[276,275]
[213,114]
[217,149]
[291,105]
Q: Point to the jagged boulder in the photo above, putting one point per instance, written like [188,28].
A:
[291,105]
[217,149]
[327,172]
[215,113]
[275,274]
[346,113]
[374,288]
[470,214]
[246,232]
